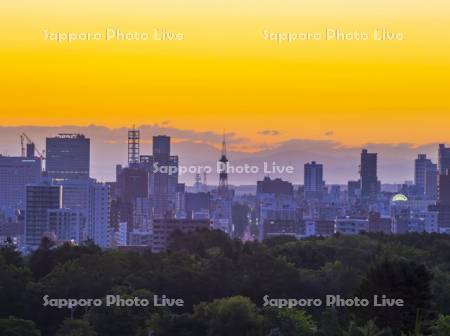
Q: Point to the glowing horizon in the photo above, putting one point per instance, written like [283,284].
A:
[224,75]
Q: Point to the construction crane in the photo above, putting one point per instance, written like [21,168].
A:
[24,137]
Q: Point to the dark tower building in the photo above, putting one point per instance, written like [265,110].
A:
[444,159]
[164,177]
[443,203]
[370,186]
[39,199]
[425,177]
[313,181]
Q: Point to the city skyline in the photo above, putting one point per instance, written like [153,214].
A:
[109,148]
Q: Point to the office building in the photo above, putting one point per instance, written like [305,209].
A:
[370,186]
[274,201]
[98,223]
[40,198]
[163,229]
[133,193]
[379,224]
[351,226]
[274,228]
[67,224]
[425,177]
[275,186]
[313,181]
[164,179]
[68,156]
[15,174]
[197,204]
[324,228]
[442,206]
[353,190]
[443,159]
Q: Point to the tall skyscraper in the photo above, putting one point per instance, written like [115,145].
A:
[443,159]
[68,156]
[370,186]
[40,198]
[15,174]
[164,179]
[426,177]
[132,187]
[313,181]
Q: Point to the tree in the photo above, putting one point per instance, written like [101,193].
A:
[289,322]
[10,253]
[75,328]
[230,316]
[167,324]
[17,327]
[371,329]
[441,326]
[397,279]
[13,284]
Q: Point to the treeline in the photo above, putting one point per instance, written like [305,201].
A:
[223,283]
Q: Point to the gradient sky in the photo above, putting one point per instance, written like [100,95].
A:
[225,76]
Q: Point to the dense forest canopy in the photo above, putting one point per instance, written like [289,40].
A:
[223,282]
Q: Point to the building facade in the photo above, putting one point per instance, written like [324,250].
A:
[68,156]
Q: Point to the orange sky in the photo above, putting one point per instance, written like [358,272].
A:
[225,75]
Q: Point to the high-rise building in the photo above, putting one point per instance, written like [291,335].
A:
[425,177]
[68,156]
[132,184]
[164,179]
[40,198]
[370,186]
[313,181]
[98,222]
[82,196]
[443,159]
[442,206]
[15,174]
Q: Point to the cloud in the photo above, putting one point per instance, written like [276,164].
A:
[329,133]
[269,132]
[109,147]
